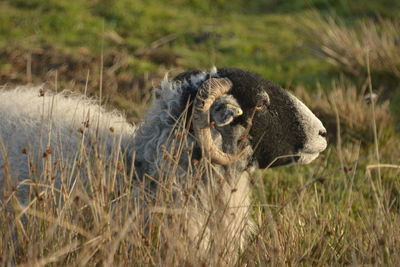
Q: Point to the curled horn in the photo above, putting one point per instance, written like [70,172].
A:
[209,91]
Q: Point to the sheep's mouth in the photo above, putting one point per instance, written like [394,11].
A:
[305,157]
[284,160]
[302,157]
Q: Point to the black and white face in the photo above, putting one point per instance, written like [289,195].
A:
[284,130]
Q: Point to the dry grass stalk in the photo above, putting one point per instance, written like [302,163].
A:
[347,46]
[101,223]
[353,109]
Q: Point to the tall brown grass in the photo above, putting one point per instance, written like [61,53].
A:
[336,211]
[347,46]
[351,106]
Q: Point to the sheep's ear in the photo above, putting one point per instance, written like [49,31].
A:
[223,113]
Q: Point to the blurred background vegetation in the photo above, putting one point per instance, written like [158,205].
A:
[293,43]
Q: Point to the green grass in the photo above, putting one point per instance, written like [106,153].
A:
[268,37]
[259,36]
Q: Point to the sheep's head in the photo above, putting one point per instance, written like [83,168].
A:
[282,129]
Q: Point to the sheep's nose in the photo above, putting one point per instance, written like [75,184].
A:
[323,133]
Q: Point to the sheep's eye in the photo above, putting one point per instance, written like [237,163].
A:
[219,108]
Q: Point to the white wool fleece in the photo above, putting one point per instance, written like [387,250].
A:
[33,122]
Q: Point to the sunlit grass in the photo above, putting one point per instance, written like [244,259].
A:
[338,210]
[342,209]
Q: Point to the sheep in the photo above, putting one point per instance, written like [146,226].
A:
[204,134]
[260,125]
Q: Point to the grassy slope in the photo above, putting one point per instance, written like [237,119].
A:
[333,211]
[259,37]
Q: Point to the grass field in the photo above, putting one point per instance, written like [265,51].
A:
[343,209]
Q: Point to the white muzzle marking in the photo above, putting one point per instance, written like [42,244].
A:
[315,132]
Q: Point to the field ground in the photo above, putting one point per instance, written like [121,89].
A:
[343,209]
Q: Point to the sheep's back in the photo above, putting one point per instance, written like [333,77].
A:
[34,126]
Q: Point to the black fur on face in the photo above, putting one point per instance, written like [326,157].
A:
[277,129]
